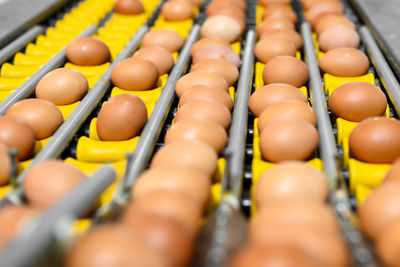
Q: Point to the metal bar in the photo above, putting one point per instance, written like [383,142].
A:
[384,71]
[36,239]
[8,51]
[28,87]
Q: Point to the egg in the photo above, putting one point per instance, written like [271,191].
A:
[216,52]
[128,7]
[356,101]
[380,210]
[209,132]
[193,154]
[322,16]
[48,182]
[196,2]
[5,165]
[166,38]
[235,13]
[285,69]
[271,94]
[223,4]
[274,23]
[41,115]
[94,250]
[268,48]
[121,118]
[205,42]
[288,139]
[388,246]
[338,36]
[206,92]
[159,56]
[307,4]
[289,109]
[15,133]
[291,35]
[135,74]
[329,21]
[279,11]
[171,205]
[193,184]
[291,180]
[205,109]
[344,62]
[204,78]
[222,27]
[375,140]
[219,66]
[317,10]
[62,86]
[163,235]
[394,172]
[272,2]
[175,10]
[87,51]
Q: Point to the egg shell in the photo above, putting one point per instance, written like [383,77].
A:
[338,36]
[15,133]
[279,11]
[195,2]
[268,48]
[41,115]
[344,62]
[166,38]
[307,4]
[222,4]
[329,7]
[274,23]
[193,154]
[289,139]
[290,109]
[219,66]
[329,21]
[87,51]
[272,2]
[93,249]
[135,74]
[49,181]
[284,33]
[121,118]
[222,27]
[159,56]
[205,109]
[174,10]
[388,245]
[206,92]
[394,172]
[216,52]
[204,78]
[271,94]
[205,42]
[62,86]
[5,165]
[234,13]
[356,101]
[285,69]
[128,7]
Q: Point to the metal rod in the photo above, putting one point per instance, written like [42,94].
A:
[28,87]
[36,239]
[8,51]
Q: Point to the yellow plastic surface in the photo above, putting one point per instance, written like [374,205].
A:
[21,59]
[66,110]
[333,82]
[7,84]
[89,168]
[5,94]
[11,71]
[44,41]
[89,71]
[149,96]
[35,50]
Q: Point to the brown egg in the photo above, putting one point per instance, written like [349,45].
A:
[235,13]
[380,210]
[290,109]
[48,182]
[388,246]
[193,154]
[279,11]
[128,7]
[174,10]
[205,42]
[87,51]
[375,140]
[94,249]
[271,94]
[166,38]
[329,21]
[193,184]
[284,33]
[205,109]
[356,101]
[206,78]
[195,2]
[307,4]
[338,36]
[206,92]
[285,69]
[5,165]
[221,27]
[15,133]
[62,86]
[270,256]
[219,66]
[161,57]
[216,52]
[223,4]
[291,180]
[121,118]
[322,16]
[272,2]
[274,23]
[135,74]
[394,172]
[163,235]
[169,204]
[268,48]
[41,115]
[317,10]
[344,62]
[289,139]
[209,132]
